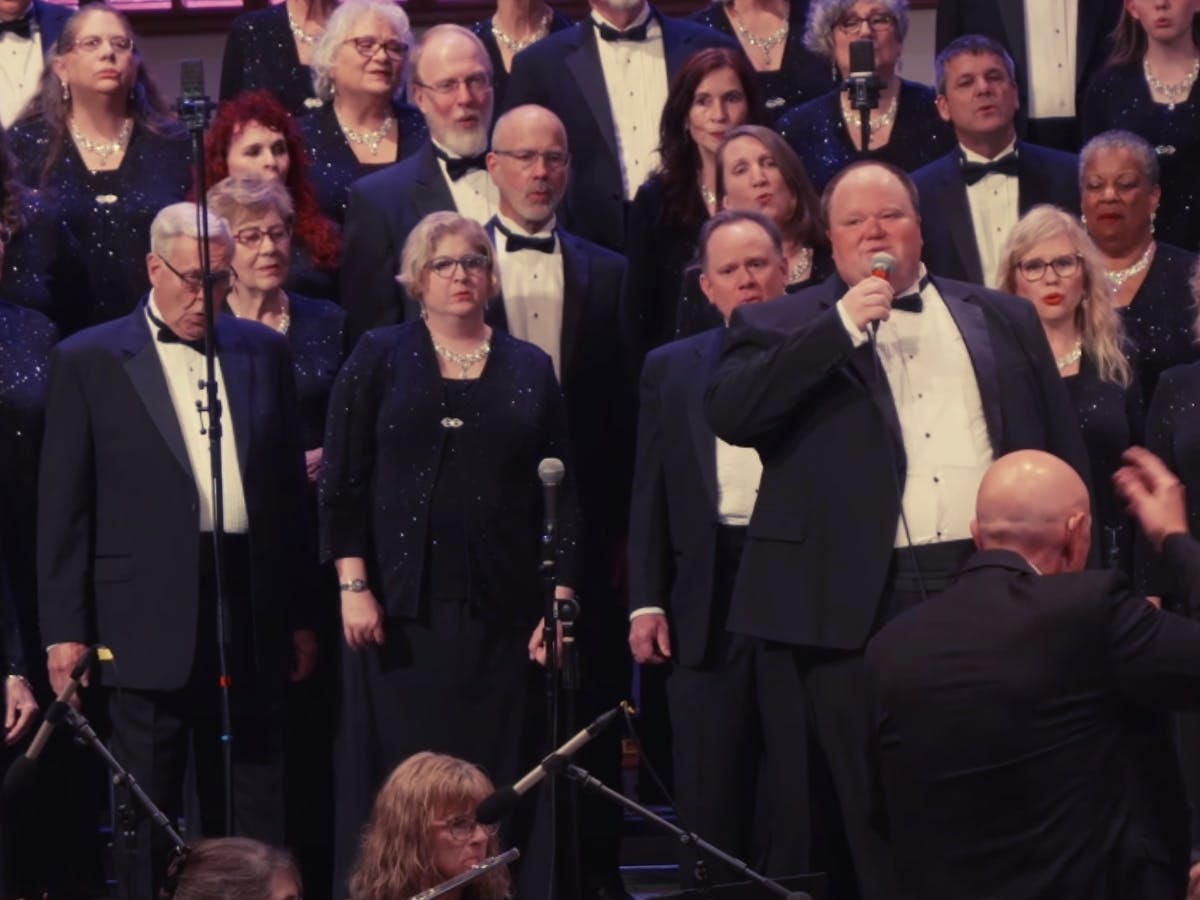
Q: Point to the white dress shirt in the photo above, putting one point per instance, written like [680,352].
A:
[1051,27]
[942,424]
[21,63]
[532,284]
[994,203]
[475,195]
[183,369]
[739,470]
[635,78]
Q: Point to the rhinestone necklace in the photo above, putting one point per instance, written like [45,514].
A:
[802,267]
[878,123]
[1117,277]
[369,139]
[301,35]
[464,360]
[516,46]
[104,149]
[765,44]
[1173,92]
[1071,358]
[710,197]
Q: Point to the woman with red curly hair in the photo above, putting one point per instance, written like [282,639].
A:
[253,134]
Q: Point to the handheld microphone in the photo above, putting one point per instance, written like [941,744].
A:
[497,804]
[882,265]
[550,472]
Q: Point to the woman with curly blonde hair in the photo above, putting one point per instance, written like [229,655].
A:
[423,831]
[1050,260]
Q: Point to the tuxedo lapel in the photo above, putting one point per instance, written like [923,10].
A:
[956,210]
[1012,14]
[677,45]
[972,324]
[699,366]
[495,314]
[584,65]
[429,191]
[146,375]
[1032,180]
[576,279]
[1086,27]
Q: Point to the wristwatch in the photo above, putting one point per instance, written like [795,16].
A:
[354,586]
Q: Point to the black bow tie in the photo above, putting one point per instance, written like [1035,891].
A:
[972,172]
[166,336]
[636,33]
[517,242]
[912,302]
[458,166]
[22,27]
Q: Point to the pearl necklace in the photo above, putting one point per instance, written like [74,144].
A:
[369,139]
[1117,277]
[1071,358]
[300,34]
[878,123]
[464,360]
[516,46]
[765,44]
[1173,92]
[103,149]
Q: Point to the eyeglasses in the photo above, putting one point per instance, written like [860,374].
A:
[471,263]
[876,22]
[221,278]
[1035,269]
[554,159]
[476,84]
[93,43]
[252,238]
[369,46]
[461,828]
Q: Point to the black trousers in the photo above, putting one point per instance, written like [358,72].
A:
[155,733]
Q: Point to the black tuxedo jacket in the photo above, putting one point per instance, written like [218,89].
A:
[599,396]
[118,533]
[673,521]
[1002,717]
[383,208]
[1004,21]
[562,72]
[50,19]
[951,248]
[789,383]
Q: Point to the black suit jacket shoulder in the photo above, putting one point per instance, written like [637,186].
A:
[51,17]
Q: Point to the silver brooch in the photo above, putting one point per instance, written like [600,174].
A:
[452,422]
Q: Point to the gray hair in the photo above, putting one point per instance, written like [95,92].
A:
[449,28]
[732,217]
[239,196]
[976,45]
[423,240]
[823,15]
[337,31]
[181,220]
[1117,139]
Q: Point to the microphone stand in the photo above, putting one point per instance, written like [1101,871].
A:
[194,109]
[686,838]
[468,876]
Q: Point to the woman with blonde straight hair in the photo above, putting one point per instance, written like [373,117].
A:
[1051,262]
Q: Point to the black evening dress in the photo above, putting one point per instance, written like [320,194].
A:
[109,213]
[333,163]
[1159,319]
[801,76]
[483,30]
[818,134]
[1119,97]
[42,268]
[260,52]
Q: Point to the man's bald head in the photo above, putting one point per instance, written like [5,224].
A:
[529,164]
[1036,505]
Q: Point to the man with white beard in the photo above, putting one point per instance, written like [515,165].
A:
[451,84]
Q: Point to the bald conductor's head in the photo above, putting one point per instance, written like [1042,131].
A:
[1036,505]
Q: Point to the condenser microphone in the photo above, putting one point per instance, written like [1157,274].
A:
[550,472]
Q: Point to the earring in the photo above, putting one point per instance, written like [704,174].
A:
[66,92]
[1083,221]
[1153,216]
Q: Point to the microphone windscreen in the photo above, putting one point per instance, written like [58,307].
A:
[191,77]
[496,805]
[882,265]
[551,471]
[862,58]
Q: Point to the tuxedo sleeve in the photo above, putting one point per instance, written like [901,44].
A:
[651,561]
[524,83]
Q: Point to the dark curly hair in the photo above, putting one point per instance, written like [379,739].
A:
[680,165]
[314,231]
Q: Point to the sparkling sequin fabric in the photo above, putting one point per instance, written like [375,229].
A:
[334,164]
[42,270]
[317,336]
[109,213]
[1120,98]
[801,76]
[261,53]
[817,132]
[1173,430]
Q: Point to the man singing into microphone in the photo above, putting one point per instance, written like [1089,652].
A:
[875,403]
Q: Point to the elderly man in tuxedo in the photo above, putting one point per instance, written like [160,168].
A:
[606,78]
[452,86]
[1018,719]
[736,712]
[28,29]
[875,400]
[973,196]
[1058,45]
[126,552]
